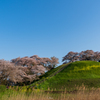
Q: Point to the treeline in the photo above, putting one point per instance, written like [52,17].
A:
[83,55]
[25,70]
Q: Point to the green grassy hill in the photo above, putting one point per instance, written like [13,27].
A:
[47,75]
[75,74]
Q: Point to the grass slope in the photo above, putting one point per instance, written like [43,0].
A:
[47,75]
[77,73]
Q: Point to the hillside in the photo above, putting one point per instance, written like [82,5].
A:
[48,75]
[75,74]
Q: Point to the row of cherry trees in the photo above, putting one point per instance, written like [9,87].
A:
[26,69]
[83,55]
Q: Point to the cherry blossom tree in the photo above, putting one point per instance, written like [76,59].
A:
[10,72]
[34,66]
[36,60]
[70,57]
[25,69]
[54,61]
[83,55]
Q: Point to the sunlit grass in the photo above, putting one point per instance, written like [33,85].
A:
[86,68]
[80,93]
[87,72]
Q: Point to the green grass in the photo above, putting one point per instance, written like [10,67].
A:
[75,74]
[4,91]
[47,75]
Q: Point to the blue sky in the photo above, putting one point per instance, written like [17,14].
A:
[48,27]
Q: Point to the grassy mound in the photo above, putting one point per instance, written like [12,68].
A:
[75,74]
[47,75]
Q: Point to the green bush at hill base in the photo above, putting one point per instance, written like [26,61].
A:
[75,74]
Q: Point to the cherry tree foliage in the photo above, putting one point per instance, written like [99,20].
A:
[83,55]
[10,72]
[54,61]
[34,60]
[25,69]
